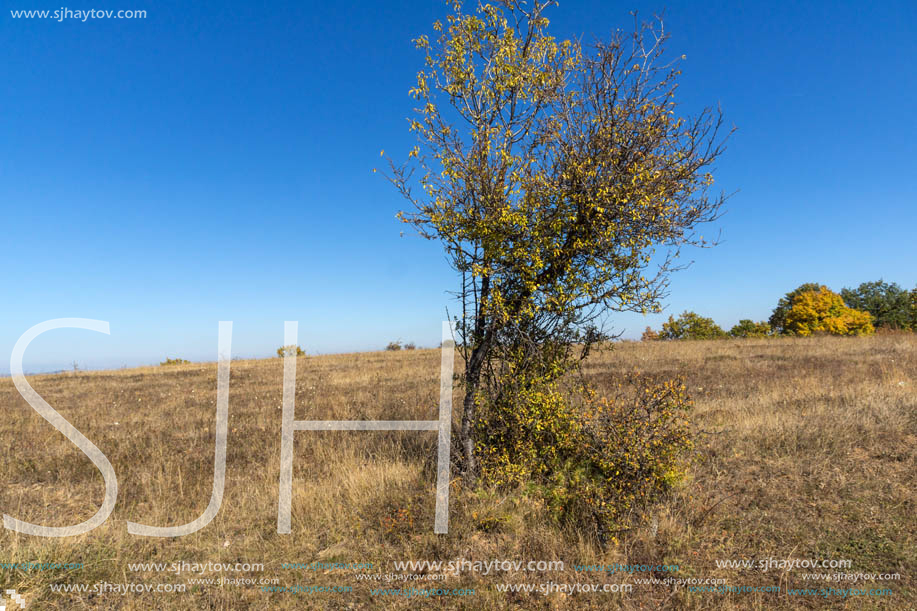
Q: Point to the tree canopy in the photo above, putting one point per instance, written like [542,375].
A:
[823,311]
[777,320]
[561,179]
[749,328]
[690,325]
[888,303]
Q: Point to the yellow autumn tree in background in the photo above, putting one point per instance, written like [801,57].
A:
[823,311]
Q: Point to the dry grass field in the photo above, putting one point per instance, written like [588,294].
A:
[806,449]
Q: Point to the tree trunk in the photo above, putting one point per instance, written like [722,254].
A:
[480,348]
[469,412]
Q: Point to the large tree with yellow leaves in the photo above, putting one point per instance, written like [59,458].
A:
[561,179]
[824,312]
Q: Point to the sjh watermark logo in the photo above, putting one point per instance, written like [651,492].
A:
[443,426]
[15,599]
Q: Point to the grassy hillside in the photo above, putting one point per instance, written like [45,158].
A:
[806,449]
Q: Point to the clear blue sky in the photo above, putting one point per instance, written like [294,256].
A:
[214,162]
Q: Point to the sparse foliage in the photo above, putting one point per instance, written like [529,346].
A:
[410,346]
[392,346]
[595,462]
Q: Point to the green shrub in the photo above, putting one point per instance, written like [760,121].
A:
[393,346]
[749,328]
[690,325]
[596,464]
[169,361]
[291,350]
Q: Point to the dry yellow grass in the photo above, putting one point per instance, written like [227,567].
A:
[805,448]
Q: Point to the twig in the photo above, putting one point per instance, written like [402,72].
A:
[711,508]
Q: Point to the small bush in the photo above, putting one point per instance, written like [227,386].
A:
[639,439]
[690,325]
[596,465]
[290,350]
[393,346]
[169,361]
[649,335]
[748,328]
[410,346]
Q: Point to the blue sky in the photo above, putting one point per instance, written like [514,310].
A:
[213,161]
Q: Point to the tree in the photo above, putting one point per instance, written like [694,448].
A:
[889,304]
[823,311]
[690,325]
[551,173]
[777,320]
[912,308]
[749,328]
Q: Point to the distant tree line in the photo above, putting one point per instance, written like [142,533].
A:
[810,309]
[396,345]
